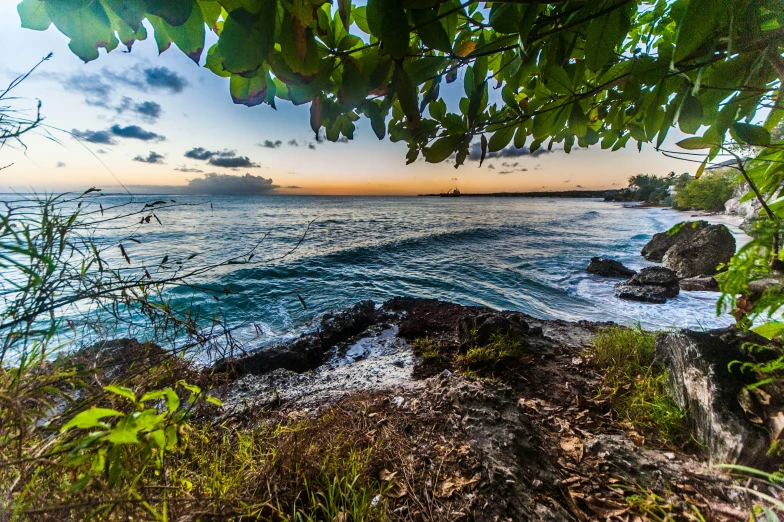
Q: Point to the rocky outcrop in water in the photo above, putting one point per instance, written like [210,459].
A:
[481,329]
[699,284]
[338,327]
[692,248]
[652,284]
[608,268]
[702,385]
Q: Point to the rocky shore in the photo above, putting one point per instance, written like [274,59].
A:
[525,436]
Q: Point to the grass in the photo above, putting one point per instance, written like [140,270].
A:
[636,384]
[501,349]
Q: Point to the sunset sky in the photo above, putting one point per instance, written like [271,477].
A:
[145,112]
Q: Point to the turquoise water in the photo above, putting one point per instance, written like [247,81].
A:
[505,253]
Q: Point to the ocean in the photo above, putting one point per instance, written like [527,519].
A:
[523,254]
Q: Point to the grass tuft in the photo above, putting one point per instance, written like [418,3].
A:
[636,384]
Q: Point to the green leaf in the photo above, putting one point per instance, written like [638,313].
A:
[690,117]
[501,138]
[132,12]
[752,134]
[33,15]
[769,330]
[695,143]
[360,18]
[377,120]
[162,38]
[189,36]
[215,401]
[697,26]
[122,391]
[87,26]
[248,38]
[578,121]
[505,18]
[90,418]
[602,36]
[431,31]
[558,81]
[174,12]
[248,91]
[442,148]
[387,21]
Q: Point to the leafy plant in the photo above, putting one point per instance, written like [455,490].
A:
[709,192]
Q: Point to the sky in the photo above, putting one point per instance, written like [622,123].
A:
[154,123]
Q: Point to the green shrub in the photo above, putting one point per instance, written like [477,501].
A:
[635,382]
[709,192]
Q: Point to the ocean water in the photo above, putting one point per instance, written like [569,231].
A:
[518,254]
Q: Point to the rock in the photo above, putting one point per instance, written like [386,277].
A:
[700,283]
[608,268]
[649,294]
[480,329]
[701,384]
[660,243]
[652,284]
[340,326]
[300,355]
[706,249]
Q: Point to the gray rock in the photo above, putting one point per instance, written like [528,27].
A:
[660,243]
[652,284]
[340,326]
[608,268]
[703,251]
[700,283]
[480,329]
[701,384]
[300,355]
[649,293]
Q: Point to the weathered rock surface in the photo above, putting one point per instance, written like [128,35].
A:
[608,268]
[660,243]
[652,284]
[299,355]
[700,283]
[480,329]
[338,327]
[701,384]
[700,254]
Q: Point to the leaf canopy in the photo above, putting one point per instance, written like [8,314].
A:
[574,72]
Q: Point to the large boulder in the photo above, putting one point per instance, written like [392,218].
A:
[660,243]
[701,384]
[652,284]
[608,268]
[480,329]
[706,249]
[299,355]
[340,326]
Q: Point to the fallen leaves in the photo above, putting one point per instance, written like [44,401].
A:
[573,447]
[456,484]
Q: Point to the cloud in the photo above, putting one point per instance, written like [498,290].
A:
[579,186]
[152,157]
[101,151]
[568,181]
[135,132]
[164,78]
[490,166]
[523,169]
[230,184]
[60,164]
[475,152]
[312,146]
[225,158]
[292,187]
[232,162]
[93,136]
[88,84]
[511,165]
[504,172]
[615,184]
[150,110]
[183,168]
[268,144]
[293,143]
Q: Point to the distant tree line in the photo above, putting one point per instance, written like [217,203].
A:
[682,191]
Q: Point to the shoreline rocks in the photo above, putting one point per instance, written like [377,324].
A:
[699,284]
[652,284]
[605,267]
[693,248]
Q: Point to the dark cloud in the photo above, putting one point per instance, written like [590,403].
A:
[93,136]
[510,165]
[149,110]
[232,162]
[183,168]
[60,164]
[490,166]
[475,152]
[200,153]
[164,78]
[614,185]
[504,172]
[579,186]
[152,157]
[135,132]
[312,146]
[89,84]
[101,151]
[292,187]
[268,144]
[523,169]
[293,143]
[230,184]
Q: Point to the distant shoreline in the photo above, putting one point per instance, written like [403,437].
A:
[541,194]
